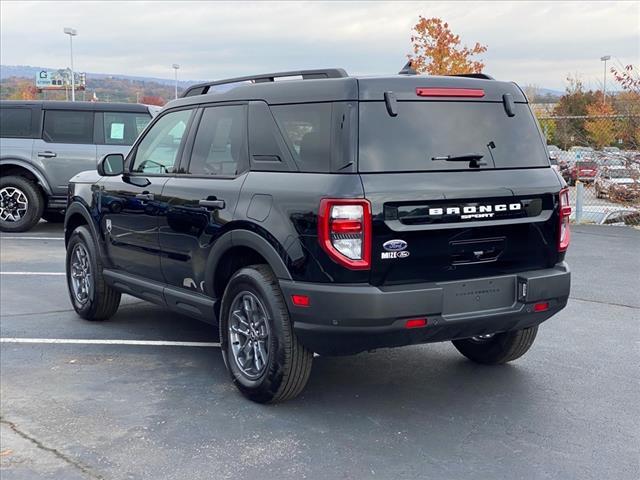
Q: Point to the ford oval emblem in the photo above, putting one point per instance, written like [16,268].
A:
[394,245]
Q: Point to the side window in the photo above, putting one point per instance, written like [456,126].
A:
[307,129]
[158,150]
[123,128]
[68,126]
[15,122]
[220,146]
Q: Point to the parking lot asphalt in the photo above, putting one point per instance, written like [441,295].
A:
[569,409]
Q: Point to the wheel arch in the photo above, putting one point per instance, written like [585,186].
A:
[77,215]
[14,166]
[237,249]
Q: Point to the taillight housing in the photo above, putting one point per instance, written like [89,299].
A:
[564,232]
[344,231]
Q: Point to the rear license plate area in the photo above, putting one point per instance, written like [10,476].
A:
[478,295]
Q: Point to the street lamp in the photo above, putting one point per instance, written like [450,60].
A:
[175,67]
[604,80]
[72,32]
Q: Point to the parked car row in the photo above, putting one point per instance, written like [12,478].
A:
[45,143]
[586,164]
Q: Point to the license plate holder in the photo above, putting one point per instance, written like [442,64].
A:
[477,295]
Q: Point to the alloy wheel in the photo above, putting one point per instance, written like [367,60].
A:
[81,277]
[14,204]
[249,334]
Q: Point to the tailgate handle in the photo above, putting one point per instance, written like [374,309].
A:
[476,251]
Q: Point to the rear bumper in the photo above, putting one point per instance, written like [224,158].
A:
[347,319]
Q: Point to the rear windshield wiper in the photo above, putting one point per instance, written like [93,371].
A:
[472,158]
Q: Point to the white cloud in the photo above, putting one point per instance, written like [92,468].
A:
[529,42]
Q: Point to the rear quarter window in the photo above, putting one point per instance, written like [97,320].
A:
[15,122]
[121,128]
[307,131]
[424,130]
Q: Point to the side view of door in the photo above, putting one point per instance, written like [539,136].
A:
[130,204]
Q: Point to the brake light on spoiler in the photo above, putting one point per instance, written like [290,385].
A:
[449,92]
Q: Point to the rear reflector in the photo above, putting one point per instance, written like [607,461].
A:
[416,323]
[300,300]
[541,307]
[449,92]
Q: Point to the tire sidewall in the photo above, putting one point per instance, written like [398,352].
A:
[34,209]
[83,236]
[253,281]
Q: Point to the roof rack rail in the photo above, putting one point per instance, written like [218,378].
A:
[482,76]
[202,88]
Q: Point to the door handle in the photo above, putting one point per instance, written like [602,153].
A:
[47,154]
[145,196]
[212,204]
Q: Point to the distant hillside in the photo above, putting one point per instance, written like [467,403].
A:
[28,71]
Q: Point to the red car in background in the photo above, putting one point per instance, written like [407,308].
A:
[583,170]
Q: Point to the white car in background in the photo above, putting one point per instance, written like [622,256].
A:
[606,215]
[617,181]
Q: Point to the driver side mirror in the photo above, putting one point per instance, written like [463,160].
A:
[111,165]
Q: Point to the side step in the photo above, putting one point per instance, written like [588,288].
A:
[179,300]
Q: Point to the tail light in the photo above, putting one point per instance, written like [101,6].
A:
[564,233]
[344,232]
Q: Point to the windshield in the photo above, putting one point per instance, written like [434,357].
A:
[423,131]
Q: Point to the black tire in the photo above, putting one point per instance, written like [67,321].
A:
[500,348]
[53,217]
[101,301]
[288,363]
[34,206]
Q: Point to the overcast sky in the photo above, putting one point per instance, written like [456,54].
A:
[529,42]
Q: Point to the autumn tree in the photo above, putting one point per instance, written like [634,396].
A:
[437,50]
[153,100]
[627,103]
[601,127]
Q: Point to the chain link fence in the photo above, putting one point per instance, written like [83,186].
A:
[599,157]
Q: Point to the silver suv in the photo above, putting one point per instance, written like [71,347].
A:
[45,143]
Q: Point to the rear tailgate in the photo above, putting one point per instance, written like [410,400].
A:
[460,187]
[434,227]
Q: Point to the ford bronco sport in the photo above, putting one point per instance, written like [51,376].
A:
[330,214]
[45,143]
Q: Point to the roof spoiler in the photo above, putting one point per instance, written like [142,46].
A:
[409,70]
[202,88]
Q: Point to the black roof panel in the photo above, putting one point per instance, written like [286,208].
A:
[90,106]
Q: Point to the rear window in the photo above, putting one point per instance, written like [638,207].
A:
[307,130]
[123,128]
[15,122]
[425,130]
[68,126]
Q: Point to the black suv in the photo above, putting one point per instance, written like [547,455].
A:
[330,214]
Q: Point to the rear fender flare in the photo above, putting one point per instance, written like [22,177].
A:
[42,181]
[243,238]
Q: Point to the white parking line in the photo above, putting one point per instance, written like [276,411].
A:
[32,273]
[30,238]
[77,341]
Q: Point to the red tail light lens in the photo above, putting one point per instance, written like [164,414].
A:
[344,232]
[449,92]
[541,307]
[564,232]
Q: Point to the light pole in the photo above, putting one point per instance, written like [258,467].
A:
[72,32]
[175,67]
[604,79]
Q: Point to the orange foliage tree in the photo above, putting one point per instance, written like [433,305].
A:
[153,100]
[437,51]
[602,127]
